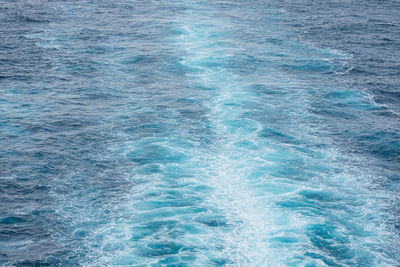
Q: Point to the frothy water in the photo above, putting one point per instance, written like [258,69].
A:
[184,133]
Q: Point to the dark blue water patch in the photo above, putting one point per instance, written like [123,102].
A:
[263,90]
[280,137]
[147,129]
[385,145]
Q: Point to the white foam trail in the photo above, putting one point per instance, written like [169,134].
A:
[251,213]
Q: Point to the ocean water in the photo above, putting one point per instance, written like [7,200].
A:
[199,133]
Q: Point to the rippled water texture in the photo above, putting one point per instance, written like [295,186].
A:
[199,133]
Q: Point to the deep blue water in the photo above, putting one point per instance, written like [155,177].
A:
[199,133]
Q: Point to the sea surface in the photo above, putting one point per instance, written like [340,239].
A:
[199,133]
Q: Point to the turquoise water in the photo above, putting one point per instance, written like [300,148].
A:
[196,133]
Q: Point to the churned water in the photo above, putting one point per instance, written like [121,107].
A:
[199,133]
